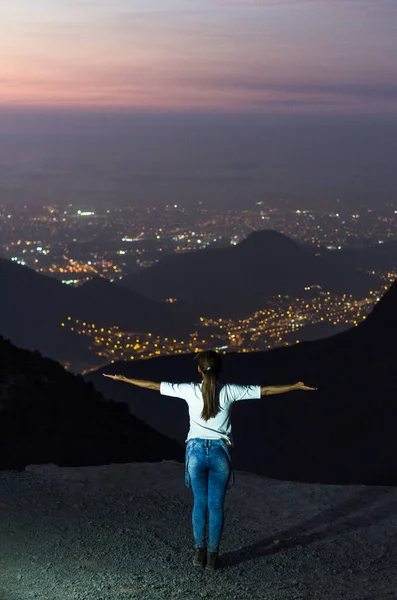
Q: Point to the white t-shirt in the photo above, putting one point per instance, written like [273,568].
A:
[220,425]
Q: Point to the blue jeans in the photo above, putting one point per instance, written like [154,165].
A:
[208,469]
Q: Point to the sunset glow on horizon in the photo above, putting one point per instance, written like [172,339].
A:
[335,56]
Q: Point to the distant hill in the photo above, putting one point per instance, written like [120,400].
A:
[50,416]
[32,307]
[235,281]
[342,433]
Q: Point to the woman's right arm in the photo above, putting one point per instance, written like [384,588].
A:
[150,385]
[270,390]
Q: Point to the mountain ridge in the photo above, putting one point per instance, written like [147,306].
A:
[33,306]
[235,281]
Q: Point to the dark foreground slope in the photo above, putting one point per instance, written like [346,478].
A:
[50,416]
[343,433]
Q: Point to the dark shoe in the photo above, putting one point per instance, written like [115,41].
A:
[212,561]
[200,555]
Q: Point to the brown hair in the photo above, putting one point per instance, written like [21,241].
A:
[210,363]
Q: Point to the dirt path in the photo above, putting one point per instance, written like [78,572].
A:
[124,531]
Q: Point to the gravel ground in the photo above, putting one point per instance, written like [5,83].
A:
[124,531]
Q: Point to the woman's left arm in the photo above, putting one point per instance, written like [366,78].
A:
[150,385]
[281,389]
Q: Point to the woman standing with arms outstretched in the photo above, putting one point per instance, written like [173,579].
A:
[209,443]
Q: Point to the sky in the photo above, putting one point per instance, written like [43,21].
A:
[200,56]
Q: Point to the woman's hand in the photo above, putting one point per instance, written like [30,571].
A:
[116,377]
[301,386]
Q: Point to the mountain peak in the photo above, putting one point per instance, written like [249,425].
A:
[268,238]
[272,243]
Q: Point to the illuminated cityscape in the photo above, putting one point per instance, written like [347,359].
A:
[73,244]
[279,324]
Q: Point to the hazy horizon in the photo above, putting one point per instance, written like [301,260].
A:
[91,157]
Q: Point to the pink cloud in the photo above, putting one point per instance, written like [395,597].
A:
[207,58]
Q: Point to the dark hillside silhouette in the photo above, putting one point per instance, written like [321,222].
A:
[33,306]
[235,281]
[48,415]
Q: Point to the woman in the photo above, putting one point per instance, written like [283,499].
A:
[209,443]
